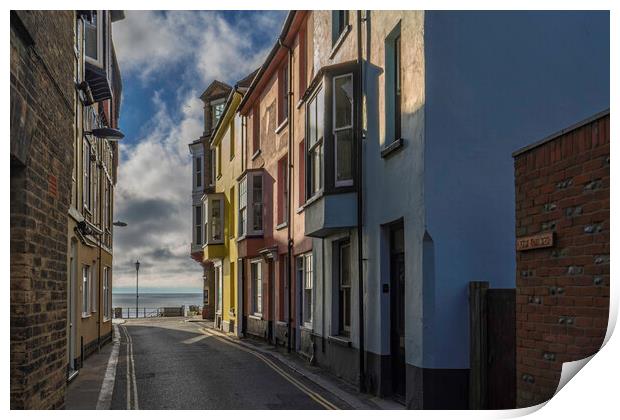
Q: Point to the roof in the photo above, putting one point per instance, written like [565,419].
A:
[557,134]
[216,88]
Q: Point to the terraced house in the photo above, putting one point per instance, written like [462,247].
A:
[65,101]
[367,204]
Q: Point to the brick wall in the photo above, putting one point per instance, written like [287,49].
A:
[562,185]
[41,163]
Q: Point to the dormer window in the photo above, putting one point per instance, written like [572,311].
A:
[217,108]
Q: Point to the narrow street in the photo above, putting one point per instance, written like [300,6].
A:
[173,364]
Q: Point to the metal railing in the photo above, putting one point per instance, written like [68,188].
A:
[129,312]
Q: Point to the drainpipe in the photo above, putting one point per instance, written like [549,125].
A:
[289,167]
[360,267]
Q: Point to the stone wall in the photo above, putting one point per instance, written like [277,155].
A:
[562,186]
[41,163]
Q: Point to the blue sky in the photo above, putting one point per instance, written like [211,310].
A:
[167,59]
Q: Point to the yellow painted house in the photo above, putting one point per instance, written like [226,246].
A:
[220,210]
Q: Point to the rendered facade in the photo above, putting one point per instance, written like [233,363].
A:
[376,183]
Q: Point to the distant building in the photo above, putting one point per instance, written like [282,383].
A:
[203,182]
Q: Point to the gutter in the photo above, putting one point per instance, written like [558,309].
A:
[289,171]
[360,201]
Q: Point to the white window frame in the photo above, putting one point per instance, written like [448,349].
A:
[198,224]
[86,175]
[219,286]
[346,329]
[86,292]
[336,130]
[257,286]
[213,167]
[213,106]
[311,171]
[198,165]
[100,53]
[107,310]
[212,202]
[306,272]
[249,205]
[94,289]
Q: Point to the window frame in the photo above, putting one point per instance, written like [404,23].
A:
[335,130]
[198,165]
[344,329]
[318,145]
[283,93]
[198,222]
[256,287]
[107,289]
[86,292]
[101,22]
[212,202]
[214,105]
[305,270]
[337,29]
[256,129]
[282,216]
[219,286]
[248,205]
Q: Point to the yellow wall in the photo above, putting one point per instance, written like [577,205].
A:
[229,134]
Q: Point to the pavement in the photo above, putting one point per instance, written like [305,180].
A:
[181,363]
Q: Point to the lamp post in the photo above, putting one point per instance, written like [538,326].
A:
[137,268]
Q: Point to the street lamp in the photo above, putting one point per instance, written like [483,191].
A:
[111,134]
[137,268]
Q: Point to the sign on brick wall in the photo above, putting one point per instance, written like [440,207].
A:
[543,240]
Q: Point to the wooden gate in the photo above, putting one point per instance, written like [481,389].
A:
[492,347]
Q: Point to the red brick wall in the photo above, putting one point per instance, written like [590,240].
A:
[563,291]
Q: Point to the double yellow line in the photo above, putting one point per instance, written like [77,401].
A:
[315,396]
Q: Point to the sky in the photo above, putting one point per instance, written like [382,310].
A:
[167,59]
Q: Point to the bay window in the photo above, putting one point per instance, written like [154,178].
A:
[315,116]
[198,225]
[251,204]
[198,171]
[214,219]
[343,128]
[256,277]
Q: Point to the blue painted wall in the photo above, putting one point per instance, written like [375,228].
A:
[495,81]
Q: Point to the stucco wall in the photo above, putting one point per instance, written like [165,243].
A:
[495,82]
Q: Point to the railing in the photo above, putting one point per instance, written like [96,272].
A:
[156,312]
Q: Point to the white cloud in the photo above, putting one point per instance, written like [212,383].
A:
[149,42]
[186,50]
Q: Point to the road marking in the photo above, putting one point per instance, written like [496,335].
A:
[131,374]
[107,387]
[195,339]
[315,396]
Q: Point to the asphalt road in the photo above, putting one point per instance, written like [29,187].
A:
[177,366]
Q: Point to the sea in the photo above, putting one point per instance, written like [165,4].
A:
[151,301]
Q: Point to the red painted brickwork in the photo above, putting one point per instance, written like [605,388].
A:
[563,291]
[42,115]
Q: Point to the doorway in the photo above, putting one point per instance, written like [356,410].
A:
[397,313]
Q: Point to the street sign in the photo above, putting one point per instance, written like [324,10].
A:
[543,240]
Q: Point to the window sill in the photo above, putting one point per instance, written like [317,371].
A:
[258,317]
[300,209]
[281,225]
[299,103]
[316,197]
[250,236]
[340,41]
[256,154]
[282,323]
[341,340]
[282,126]
[84,316]
[106,320]
[391,148]
[306,327]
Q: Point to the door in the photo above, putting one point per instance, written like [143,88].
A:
[397,313]
[502,346]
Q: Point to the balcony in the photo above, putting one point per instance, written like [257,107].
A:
[328,214]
